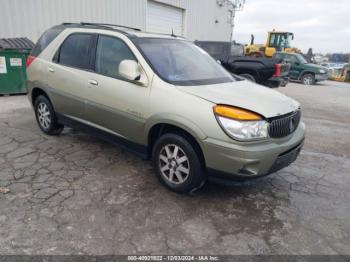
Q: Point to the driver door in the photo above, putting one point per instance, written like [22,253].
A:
[294,71]
[115,103]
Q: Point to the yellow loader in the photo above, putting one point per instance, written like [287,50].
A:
[277,41]
[344,76]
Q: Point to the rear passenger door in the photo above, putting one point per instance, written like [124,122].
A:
[69,75]
[116,103]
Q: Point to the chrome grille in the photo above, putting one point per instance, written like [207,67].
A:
[284,125]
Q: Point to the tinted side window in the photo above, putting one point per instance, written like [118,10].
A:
[214,49]
[293,59]
[110,52]
[278,56]
[46,39]
[237,50]
[75,51]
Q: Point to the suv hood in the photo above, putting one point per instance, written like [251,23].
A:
[247,95]
[315,67]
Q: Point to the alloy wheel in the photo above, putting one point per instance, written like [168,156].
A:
[44,115]
[307,80]
[174,164]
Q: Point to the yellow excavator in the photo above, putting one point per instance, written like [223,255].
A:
[277,41]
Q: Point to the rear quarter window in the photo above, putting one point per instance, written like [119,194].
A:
[45,40]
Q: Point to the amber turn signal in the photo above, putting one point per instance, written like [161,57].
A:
[236,113]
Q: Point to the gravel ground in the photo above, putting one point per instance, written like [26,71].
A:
[75,194]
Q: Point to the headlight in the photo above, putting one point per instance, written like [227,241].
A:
[241,124]
[322,71]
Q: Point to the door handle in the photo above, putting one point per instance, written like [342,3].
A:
[93,82]
[51,70]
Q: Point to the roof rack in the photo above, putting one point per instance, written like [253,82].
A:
[110,25]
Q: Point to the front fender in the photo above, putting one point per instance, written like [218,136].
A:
[175,120]
[304,72]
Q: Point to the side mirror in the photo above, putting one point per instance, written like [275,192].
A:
[129,69]
[297,63]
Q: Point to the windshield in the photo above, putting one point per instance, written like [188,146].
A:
[281,40]
[237,50]
[181,62]
[301,59]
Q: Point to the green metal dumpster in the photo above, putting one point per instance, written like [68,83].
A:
[13,55]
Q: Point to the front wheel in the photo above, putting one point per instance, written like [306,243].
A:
[46,117]
[177,164]
[308,79]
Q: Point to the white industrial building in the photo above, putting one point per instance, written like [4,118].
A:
[194,19]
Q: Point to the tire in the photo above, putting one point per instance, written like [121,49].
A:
[249,77]
[186,165]
[308,79]
[46,117]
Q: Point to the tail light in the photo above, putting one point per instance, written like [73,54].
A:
[278,68]
[29,60]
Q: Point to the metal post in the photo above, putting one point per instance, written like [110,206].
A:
[233,15]
[233,6]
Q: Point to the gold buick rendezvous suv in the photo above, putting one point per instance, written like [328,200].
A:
[164,98]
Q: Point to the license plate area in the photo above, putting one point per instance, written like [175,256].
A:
[286,158]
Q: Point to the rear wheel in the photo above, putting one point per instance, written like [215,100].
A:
[249,77]
[46,117]
[308,79]
[177,164]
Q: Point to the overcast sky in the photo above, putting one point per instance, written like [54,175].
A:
[323,25]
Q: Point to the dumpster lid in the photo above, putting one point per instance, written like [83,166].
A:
[16,43]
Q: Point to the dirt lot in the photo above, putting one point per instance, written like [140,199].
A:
[76,194]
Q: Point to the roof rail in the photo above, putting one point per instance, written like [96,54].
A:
[110,25]
[68,23]
[113,28]
[96,25]
[87,24]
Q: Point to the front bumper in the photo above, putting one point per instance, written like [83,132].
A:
[242,161]
[321,77]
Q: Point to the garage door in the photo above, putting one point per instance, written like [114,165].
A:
[163,18]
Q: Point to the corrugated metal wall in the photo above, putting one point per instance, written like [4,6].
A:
[30,18]
[200,17]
